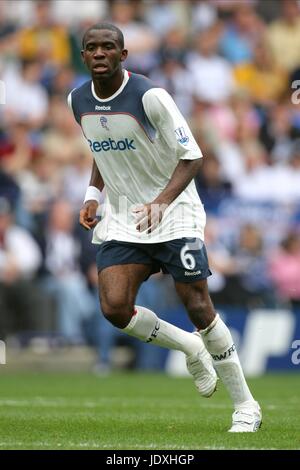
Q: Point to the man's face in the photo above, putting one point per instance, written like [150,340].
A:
[102,53]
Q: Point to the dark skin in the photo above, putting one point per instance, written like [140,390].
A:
[117,303]
[103,56]
[87,215]
[118,285]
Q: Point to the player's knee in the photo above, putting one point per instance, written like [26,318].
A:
[117,311]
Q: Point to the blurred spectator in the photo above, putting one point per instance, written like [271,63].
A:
[240,35]
[63,278]
[8,35]
[22,305]
[252,184]
[40,184]
[76,176]
[9,189]
[294,171]
[7,27]
[26,99]
[269,10]
[19,13]
[277,133]
[174,42]
[285,269]
[230,128]
[211,186]
[251,268]
[204,15]
[63,137]
[140,40]
[45,41]
[283,35]
[172,73]
[211,74]
[90,10]
[220,259]
[226,8]
[161,16]
[247,280]
[16,148]
[262,79]
[62,82]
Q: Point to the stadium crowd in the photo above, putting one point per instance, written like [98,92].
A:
[233,68]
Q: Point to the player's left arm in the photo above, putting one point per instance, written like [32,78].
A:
[165,116]
[185,171]
[150,215]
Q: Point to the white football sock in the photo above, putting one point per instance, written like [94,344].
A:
[219,343]
[146,326]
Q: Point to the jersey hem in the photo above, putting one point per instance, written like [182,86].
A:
[189,234]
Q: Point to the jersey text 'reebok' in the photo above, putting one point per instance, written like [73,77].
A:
[137,137]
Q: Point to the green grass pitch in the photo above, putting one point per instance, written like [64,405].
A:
[138,411]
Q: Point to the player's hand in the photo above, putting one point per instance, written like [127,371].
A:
[87,215]
[148,216]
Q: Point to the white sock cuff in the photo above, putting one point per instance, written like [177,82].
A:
[217,338]
[131,323]
[146,326]
[142,324]
[211,325]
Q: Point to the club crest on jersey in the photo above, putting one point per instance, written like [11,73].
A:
[103,121]
[181,135]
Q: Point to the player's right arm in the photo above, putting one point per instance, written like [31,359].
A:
[87,215]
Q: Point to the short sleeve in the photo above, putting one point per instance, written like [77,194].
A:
[166,118]
[72,105]
[69,100]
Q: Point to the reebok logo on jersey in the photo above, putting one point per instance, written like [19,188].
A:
[110,144]
[102,108]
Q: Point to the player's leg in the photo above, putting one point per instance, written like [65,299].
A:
[218,341]
[118,286]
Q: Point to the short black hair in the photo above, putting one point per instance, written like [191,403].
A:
[110,27]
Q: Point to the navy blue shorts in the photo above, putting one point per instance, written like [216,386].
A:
[184,258]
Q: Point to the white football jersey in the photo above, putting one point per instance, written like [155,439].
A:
[137,137]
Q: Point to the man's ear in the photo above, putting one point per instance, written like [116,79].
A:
[124,55]
[82,56]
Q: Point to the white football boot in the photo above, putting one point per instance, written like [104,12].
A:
[247,417]
[200,366]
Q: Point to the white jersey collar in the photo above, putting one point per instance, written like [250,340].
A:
[124,83]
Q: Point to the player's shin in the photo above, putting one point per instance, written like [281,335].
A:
[146,326]
[218,341]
